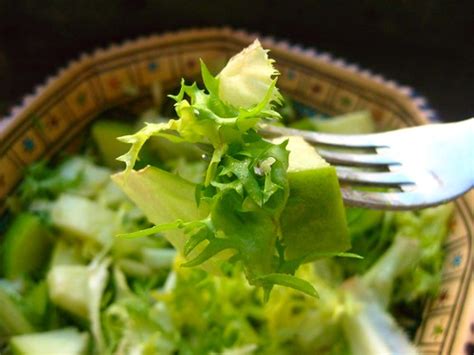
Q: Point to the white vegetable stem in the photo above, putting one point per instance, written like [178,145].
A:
[402,255]
[369,328]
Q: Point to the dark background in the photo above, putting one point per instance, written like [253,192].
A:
[426,44]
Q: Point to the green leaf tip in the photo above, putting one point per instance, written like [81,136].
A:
[214,247]
[287,281]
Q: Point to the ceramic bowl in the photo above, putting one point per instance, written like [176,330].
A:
[56,114]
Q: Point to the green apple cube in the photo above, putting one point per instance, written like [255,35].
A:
[358,122]
[26,247]
[84,218]
[313,220]
[105,133]
[68,288]
[67,341]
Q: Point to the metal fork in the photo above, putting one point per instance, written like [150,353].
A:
[427,165]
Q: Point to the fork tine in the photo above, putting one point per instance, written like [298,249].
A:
[336,140]
[390,200]
[372,178]
[356,159]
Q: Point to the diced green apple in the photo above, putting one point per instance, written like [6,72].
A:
[68,288]
[359,122]
[313,220]
[65,254]
[26,246]
[84,218]
[105,133]
[12,318]
[67,341]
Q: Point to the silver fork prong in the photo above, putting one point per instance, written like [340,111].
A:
[376,200]
[363,141]
[373,178]
[391,200]
[374,160]
[435,163]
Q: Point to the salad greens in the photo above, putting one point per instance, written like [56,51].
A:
[252,213]
[246,185]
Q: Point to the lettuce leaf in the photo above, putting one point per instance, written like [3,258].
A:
[245,188]
[429,228]
[220,316]
[245,79]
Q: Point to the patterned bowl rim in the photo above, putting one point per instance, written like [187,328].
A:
[420,102]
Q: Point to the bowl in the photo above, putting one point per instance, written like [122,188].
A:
[54,117]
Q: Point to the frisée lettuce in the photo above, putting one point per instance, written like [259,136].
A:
[246,185]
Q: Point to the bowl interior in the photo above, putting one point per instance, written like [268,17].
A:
[56,115]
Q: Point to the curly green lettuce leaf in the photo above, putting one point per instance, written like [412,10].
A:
[245,187]
[429,227]
[42,182]
[301,324]
[133,325]
[221,315]
[414,257]
[207,116]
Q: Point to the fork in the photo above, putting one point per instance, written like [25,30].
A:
[410,168]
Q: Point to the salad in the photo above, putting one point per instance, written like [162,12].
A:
[214,239]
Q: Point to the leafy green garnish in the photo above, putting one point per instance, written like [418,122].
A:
[246,185]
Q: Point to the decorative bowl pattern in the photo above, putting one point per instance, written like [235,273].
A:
[56,114]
